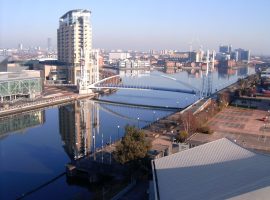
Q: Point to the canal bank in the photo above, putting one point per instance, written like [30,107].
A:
[41,103]
[164,131]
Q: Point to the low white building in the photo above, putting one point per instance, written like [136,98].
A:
[115,56]
[134,64]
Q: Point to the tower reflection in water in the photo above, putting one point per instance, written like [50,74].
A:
[79,124]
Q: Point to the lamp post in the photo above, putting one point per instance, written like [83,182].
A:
[138,122]
[118,132]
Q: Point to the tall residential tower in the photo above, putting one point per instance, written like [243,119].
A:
[74,36]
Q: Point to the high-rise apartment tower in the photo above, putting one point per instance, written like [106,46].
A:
[74,35]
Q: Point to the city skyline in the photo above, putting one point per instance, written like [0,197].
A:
[143,25]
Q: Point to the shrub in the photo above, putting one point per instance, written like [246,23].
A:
[181,136]
[204,130]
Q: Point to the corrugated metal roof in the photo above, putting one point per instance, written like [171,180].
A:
[216,170]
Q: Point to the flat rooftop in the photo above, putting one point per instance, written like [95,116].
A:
[217,170]
[24,74]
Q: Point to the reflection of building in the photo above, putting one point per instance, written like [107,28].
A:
[26,83]
[21,122]
[77,124]
[134,73]
[242,71]
[225,71]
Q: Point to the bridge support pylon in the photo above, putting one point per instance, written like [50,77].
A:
[84,91]
[82,84]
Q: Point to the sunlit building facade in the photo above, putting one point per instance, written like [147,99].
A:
[74,35]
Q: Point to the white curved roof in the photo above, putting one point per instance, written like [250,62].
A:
[216,170]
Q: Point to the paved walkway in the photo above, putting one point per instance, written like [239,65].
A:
[245,126]
[52,96]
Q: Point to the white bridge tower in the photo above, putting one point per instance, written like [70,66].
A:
[83,80]
[91,76]
[207,84]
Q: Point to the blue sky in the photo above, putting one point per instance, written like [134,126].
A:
[143,24]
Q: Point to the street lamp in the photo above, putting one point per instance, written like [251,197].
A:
[138,121]
[118,132]
[154,114]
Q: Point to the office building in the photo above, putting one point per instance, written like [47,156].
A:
[20,47]
[243,55]
[225,49]
[234,55]
[223,56]
[74,36]
[49,44]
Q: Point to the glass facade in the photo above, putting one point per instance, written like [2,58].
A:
[20,87]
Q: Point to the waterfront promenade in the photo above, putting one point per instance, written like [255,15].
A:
[52,96]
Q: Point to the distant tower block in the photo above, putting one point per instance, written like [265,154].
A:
[49,44]
[20,46]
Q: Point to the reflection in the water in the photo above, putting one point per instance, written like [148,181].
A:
[226,72]
[21,122]
[134,72]
[79,123]
[242,71]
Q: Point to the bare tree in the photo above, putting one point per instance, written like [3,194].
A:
[188,122]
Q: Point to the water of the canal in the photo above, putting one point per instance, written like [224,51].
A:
[35,147]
